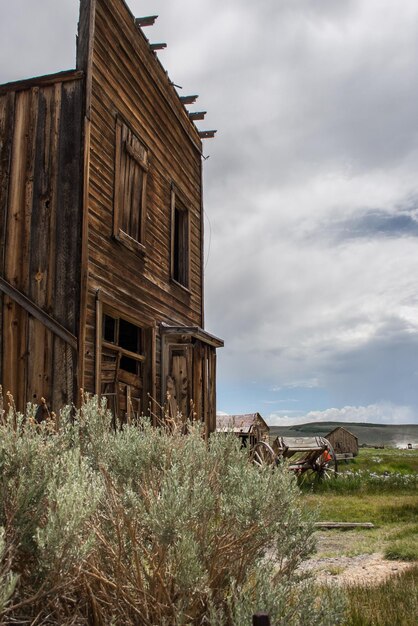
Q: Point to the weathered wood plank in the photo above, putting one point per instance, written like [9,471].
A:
[7,110]
[343,525]
[69,199]
[15,319]
[39,371]
[84,266]
[85,35]
[69,225]
[212,420]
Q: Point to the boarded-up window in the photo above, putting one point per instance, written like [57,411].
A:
[130,188]
[179,241]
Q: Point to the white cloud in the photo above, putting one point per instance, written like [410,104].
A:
[372,414]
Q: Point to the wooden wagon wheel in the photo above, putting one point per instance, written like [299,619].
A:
[263,454]
[326,466]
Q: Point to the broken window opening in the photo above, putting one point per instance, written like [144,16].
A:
[122,366]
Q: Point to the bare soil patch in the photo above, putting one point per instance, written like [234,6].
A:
[335,563]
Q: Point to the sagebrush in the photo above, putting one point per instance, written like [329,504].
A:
[147,527]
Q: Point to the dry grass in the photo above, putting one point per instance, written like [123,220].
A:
[393,603]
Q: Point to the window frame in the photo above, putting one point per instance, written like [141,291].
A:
[178,204]
[125,154]
[117,316]
[107,305]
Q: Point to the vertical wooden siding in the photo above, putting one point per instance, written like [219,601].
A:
[40,152]
[128,81]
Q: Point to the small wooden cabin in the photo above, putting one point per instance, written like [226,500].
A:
[101,230]
[250,427]
[343,441]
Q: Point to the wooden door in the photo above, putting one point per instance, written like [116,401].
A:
[179,382]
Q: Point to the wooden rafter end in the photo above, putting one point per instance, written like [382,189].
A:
[207,134]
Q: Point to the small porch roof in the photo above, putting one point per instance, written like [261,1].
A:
[193,331]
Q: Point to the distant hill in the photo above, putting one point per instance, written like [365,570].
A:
[371,434]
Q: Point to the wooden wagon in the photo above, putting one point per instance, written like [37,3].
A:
[305,456]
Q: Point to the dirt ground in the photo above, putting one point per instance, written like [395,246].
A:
[370,569]
[333,563]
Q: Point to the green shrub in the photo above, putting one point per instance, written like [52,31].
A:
[8,579]
[148,527]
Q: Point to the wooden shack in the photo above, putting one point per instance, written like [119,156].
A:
[343,442]
[250,427]
[101,230]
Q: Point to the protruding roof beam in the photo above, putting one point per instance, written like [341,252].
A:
[188,99]
[145,21]
[158,46]
[207,134]
[197,115]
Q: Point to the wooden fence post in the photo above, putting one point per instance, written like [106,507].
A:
[261,619]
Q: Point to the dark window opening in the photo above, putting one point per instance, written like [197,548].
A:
[180,246]
[129,365]
[129,336]
[125,335]
[109,329]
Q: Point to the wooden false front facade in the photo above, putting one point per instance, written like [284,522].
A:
[101,230]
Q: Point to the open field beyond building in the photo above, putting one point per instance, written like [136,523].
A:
[377,568]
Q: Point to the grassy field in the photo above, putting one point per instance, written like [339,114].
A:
[379,486]
[386,460]
[370,434]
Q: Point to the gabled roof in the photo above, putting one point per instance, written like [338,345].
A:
[341,428]
[239,423]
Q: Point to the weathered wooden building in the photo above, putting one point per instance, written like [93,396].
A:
[343,441]
[250,427]
[101,229]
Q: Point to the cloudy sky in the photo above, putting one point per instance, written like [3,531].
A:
[311,190]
